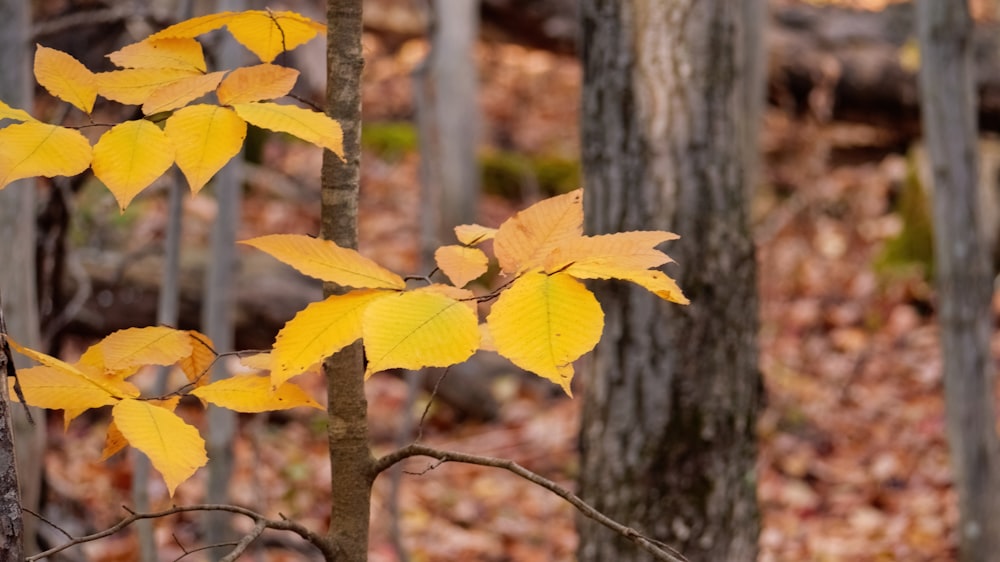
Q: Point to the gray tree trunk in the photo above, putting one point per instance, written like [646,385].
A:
[17,264]
[668,440]
[964,278]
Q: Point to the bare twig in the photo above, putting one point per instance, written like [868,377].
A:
[245,542]
[658,550]
[317,540]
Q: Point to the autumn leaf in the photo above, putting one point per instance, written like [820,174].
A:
[133,86]
[326,260]
[115,441]
[110,386]
[256,83]
[524,241]
[418,329]
[131,156]
[267,34]
[543,323]
[59,389]
[205,138]
[183,53]
[256,361]
[180,93]
[194,27]
[39,149]
[461,264]
[174,448]
[253,394]
[658,283]
[196,365]
[311,126]
[65,78]
[318,331]
[8,112]
[610,252]
[152,345]
[474,234]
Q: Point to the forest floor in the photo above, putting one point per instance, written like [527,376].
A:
[853,463]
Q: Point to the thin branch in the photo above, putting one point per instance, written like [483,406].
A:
[319,541]
[245,542]
[427,408]
[659,552]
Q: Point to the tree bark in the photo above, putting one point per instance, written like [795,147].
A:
[964,278]
[667,439]
[351,458]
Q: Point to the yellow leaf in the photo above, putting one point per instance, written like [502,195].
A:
[108,385]
[115,441]
[205,138]
[196,365]
[474,234]
[318,331]
[543,323]
[461,264]
[252,394]
[267,34]
[130,157]
[58,389]
[173,447]
[180,93]
[257,361]
[418,329]
[182,53]
[153,345]
[325,260]
[8,112]
[39,149]
[464,295]
[133,86]
[70,414]
[254,83]
[658,283]
[310,126]
[524,241]
[609,252]
[194,27]
[65,78]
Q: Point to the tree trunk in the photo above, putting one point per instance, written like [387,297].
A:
[964,278]
[668,440]
[17,282]
[347,424]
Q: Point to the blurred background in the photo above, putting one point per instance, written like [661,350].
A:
[853,462]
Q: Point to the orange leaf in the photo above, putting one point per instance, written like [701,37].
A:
[194,27]
[133,86]
[474,234]
[461,264]
[65,78]
[524,241]
[256,83]
[179,93]
[622,250]
[267,34]
[196,365]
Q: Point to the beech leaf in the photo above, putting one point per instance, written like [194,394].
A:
[326,260]
[152,345]
[461,264]
[474,234]
[267,34]
[133,86]
[33,149]
[113,387]
[524,241]
[182,53]
[8,112]
[255,83]
[253,394]
[65,78]
[205,137]
[130,157]
[311,126]
[180,93]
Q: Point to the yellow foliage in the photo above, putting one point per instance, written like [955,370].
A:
[130,157]
[174,448]
[461,264]
[8,112]
[253,394]
[39,149]
[524,241]
[65,78]
[110,386]
[133,86]
[623,250]
[193,27]
[205,138]
[474,234]
[418,329]
[318,331]
[152,345]
[180,93]
[311,126]
[543,323]
[183,53]
[326,260]
[657,283]
[115,441]
[59,389]
[196,365]
[256,83]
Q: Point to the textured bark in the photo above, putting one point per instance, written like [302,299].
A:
[17,281]
[964,277]
[667,440]
[11,516]
[350,456]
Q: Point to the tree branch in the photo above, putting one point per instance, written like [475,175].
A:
[261,523]
[658,550]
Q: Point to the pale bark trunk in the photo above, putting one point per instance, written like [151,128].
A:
[17,281]
[347,424]
[667,440]
[964,278]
